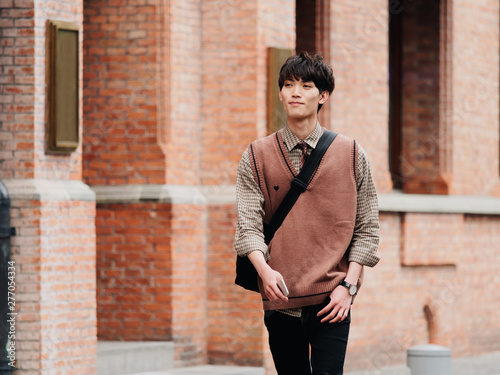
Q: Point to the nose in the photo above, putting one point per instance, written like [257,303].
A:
[296,91]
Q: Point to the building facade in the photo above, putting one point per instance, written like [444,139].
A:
[128,236]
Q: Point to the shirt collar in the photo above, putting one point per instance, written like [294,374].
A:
[291,140]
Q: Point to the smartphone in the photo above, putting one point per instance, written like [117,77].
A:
[283,287]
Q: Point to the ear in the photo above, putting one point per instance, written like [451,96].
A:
[323,97]
[281,97]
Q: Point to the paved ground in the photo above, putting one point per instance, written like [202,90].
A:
[487,364]
[210,370]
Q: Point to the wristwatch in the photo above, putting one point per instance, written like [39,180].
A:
[353,289]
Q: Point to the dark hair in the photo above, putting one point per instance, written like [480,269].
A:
[308,68]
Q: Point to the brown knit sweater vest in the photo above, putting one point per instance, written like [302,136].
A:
[310,247]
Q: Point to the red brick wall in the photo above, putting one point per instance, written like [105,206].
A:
[420,66]
[479,285]
[388,314]
[236,331]
[229,86]
[54,248]
[142,92]
[120,94]
[422,243]
[151,278]
[189,283]
[184,137]
[54,251]
[22,91]
[476,133]
[16,91]
[134,277]
[359,56]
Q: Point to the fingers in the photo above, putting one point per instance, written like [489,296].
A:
[336,312]
[331,316]
[340,317]
[274,293]
[271,288]
[336,315]
[326,309]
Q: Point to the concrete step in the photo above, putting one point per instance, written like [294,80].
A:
[154,358]
[128,357]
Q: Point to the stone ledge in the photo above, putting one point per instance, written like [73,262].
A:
[48,190]
[160,193]
[226,194]
[177,194]
[446,204]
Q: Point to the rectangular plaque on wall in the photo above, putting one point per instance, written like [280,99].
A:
[62,86]
[276,116]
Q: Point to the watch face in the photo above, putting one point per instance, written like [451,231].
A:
[353,289]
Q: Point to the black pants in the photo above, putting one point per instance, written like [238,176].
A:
[290,337]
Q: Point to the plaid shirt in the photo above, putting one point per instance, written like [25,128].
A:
[250,201]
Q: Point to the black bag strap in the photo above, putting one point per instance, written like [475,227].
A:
[299,184]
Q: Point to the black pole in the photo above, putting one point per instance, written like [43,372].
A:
[7,284]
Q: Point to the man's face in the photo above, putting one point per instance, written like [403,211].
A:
[301,99]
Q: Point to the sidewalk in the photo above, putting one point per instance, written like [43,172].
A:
[486,364]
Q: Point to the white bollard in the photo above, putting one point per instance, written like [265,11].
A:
[429,359]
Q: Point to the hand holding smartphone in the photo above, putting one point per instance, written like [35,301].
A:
[282,286]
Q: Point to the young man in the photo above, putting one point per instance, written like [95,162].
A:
[331,232]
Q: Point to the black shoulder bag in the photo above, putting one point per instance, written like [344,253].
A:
[246,274]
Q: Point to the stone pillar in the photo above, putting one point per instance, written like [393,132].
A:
[358,52]
[54,252]
[142,157]
[53,211]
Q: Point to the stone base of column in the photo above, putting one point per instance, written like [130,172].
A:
[54,255]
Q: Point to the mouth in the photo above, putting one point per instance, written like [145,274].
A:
[295,103]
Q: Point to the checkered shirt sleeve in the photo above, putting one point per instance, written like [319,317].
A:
[249,202]
[366,235]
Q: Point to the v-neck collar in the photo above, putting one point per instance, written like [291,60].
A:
[291,140]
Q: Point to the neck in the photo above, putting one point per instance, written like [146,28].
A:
[302,128]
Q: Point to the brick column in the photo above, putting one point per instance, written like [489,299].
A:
[359,105]
[475,131]
[152,267]
[54,251]
[142,157]
[52,210]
